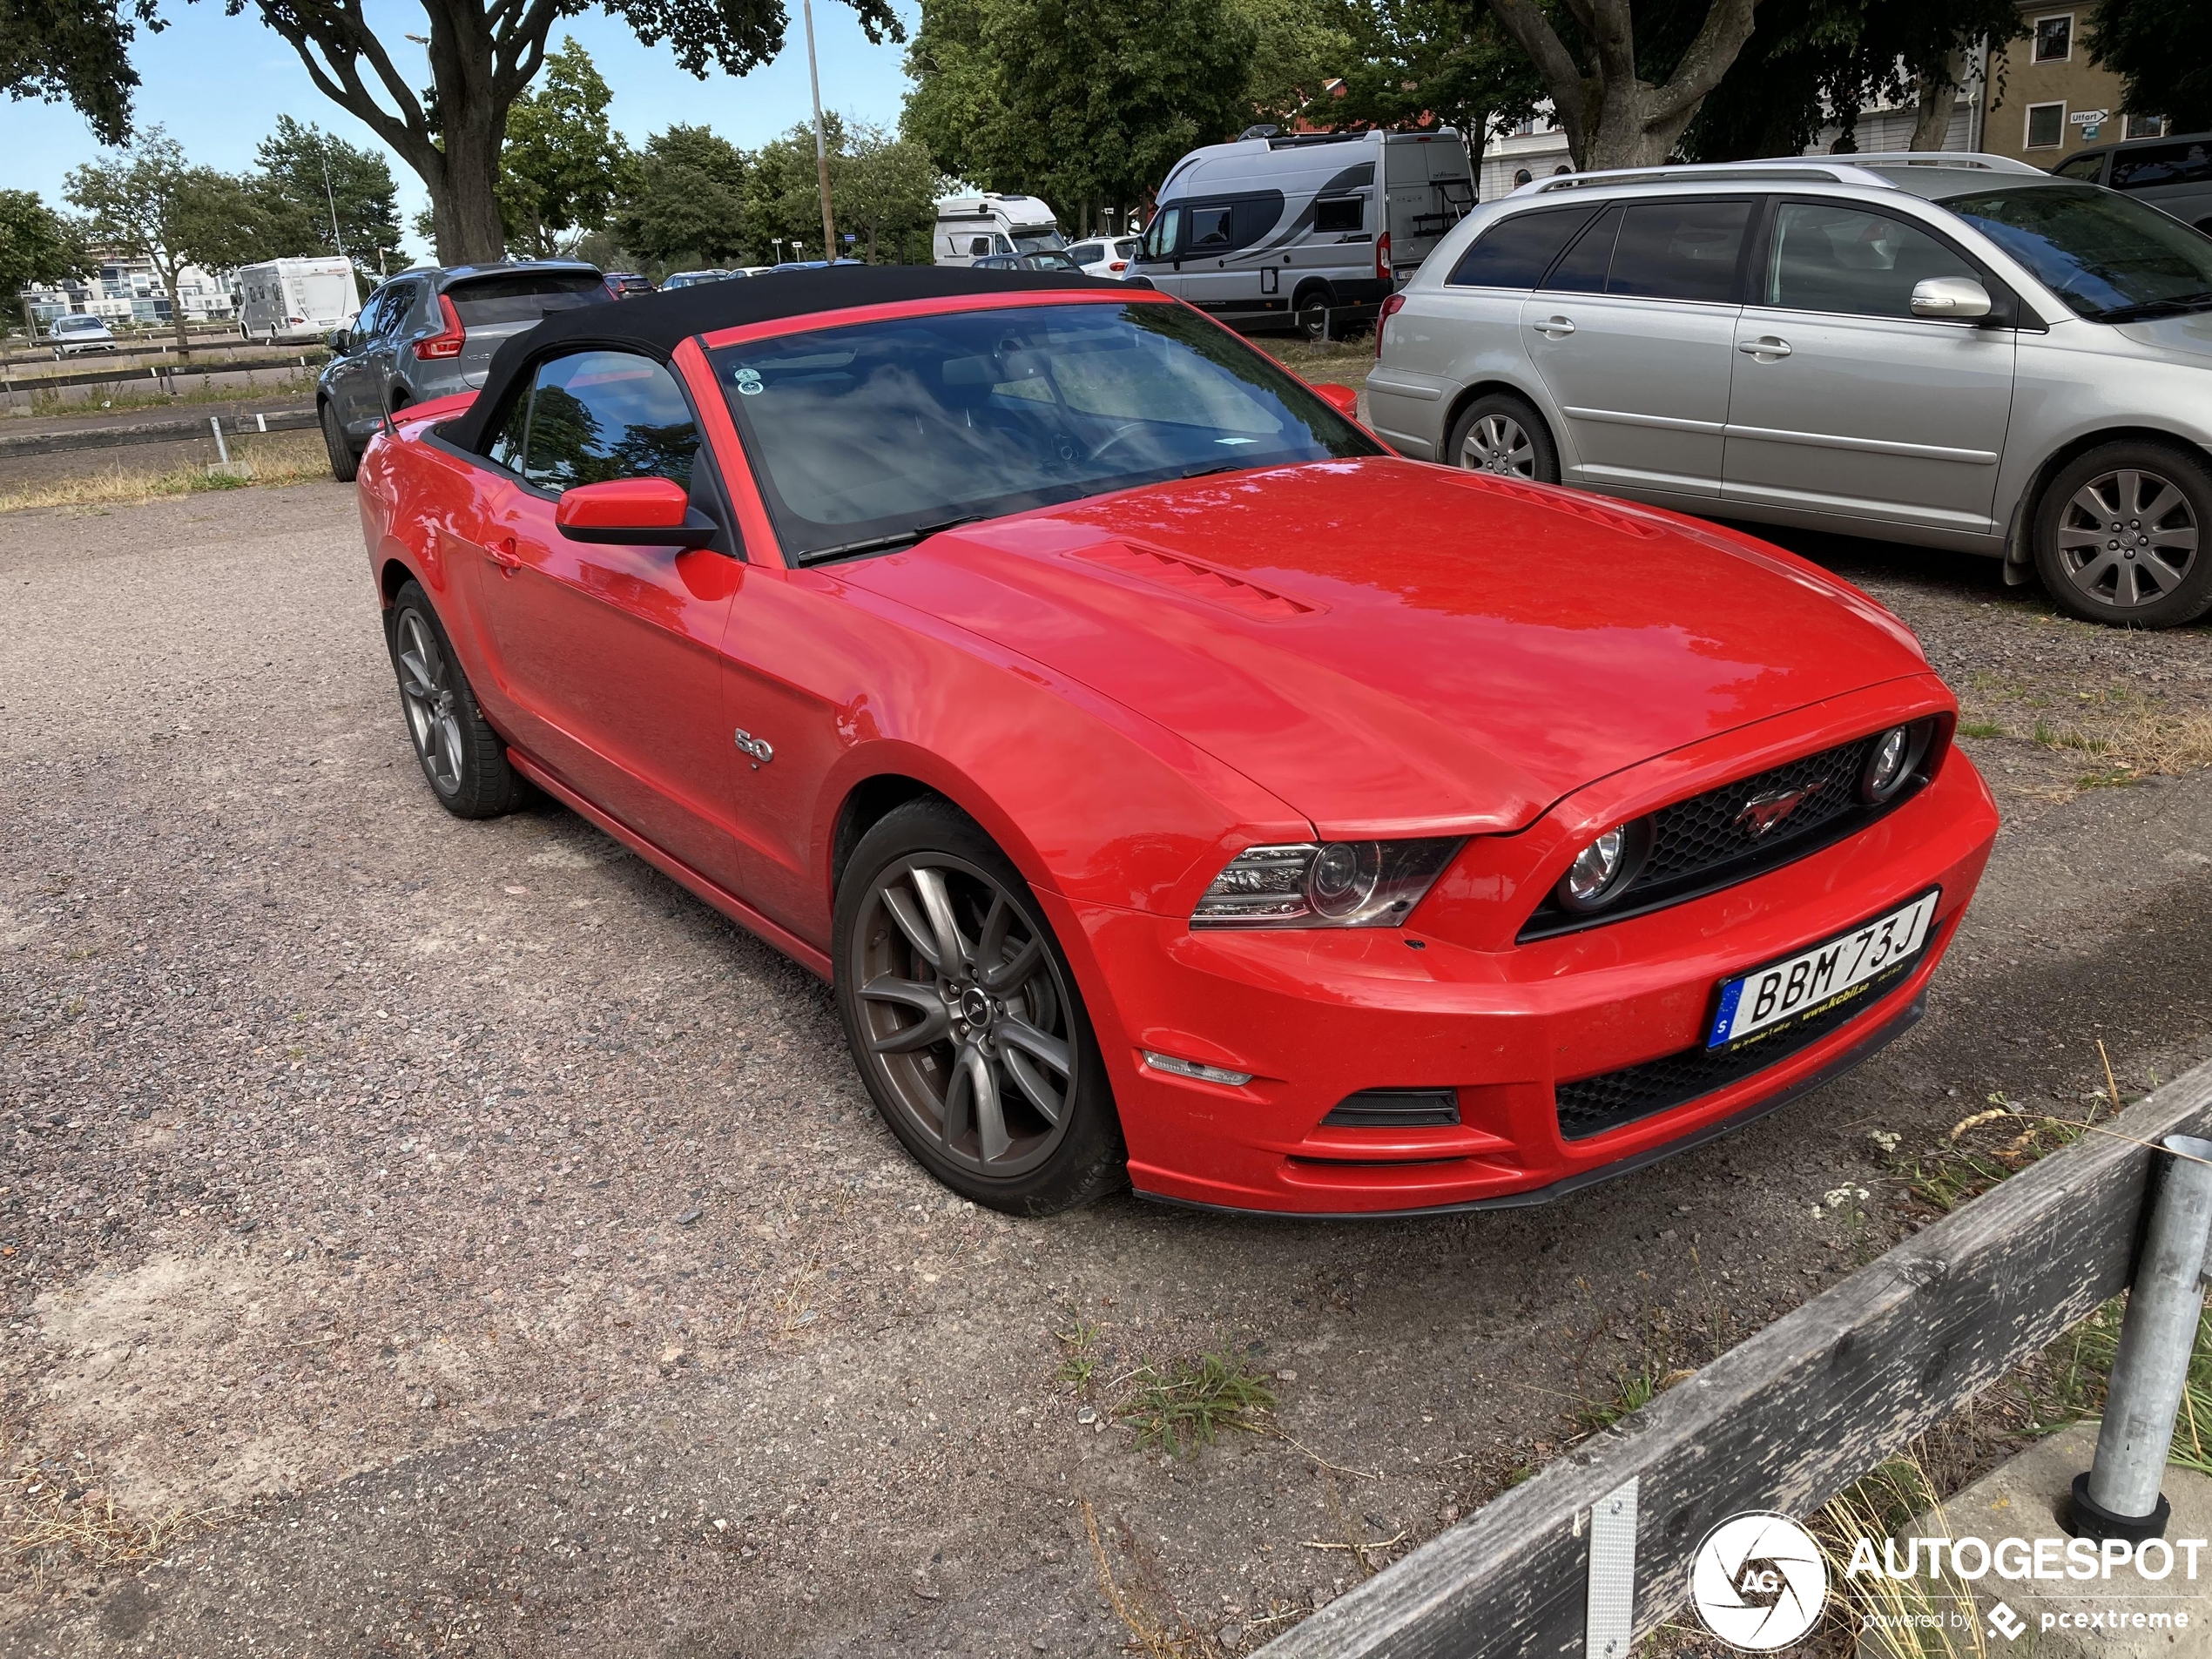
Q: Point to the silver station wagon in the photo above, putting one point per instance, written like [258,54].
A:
[1951,350]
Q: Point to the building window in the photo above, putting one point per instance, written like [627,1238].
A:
[2046,125]
[2054,38]
[2145,126]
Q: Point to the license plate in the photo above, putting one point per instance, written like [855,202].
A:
[1816,980]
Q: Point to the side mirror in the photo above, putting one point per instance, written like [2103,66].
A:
[1960,298]
[1343,399]
[342,342]
[637,512]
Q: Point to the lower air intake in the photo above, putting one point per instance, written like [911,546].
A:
[1395,1109]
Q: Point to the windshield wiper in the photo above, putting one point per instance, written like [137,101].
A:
[897,538]
[1211,468]
[2179,306]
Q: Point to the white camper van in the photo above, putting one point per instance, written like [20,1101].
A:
[970,227]
[1291,226]
[296,299]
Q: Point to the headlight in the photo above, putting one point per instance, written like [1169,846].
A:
[1602,871]
[1333,884]
[1891,762]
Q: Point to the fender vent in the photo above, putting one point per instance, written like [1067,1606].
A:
[1560,499]
[1195,581]
[1395,1109]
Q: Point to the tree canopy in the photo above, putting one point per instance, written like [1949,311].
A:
[37,244]
[683,201]
[312,173]
[563,163]
[1442,60]
[2162,53]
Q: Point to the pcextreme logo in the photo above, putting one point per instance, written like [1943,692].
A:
[1758,1581]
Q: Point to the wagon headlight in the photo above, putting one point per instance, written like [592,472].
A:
[1325,884]
[1602,871]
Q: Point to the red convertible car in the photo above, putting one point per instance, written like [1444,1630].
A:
[1176,786]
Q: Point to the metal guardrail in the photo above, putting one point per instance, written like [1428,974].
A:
[1782,1422]
[120,434]
[163,376]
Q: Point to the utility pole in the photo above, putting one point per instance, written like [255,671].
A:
[322,153]
[821,148]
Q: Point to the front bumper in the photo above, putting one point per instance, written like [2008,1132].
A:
[1318,1015]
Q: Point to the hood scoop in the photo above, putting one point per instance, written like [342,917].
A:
[1195,581]
[1560,499]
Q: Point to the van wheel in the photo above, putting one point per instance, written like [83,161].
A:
[1311,308]
[344,463]
[2119,536]
[1499,433]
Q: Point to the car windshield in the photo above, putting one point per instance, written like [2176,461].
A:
[2112,260]
[1038,241]
[870,437]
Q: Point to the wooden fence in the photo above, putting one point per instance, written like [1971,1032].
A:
[1785,1420]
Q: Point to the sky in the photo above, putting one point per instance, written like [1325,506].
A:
[218,84]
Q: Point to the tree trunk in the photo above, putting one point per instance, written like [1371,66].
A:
[464,202]
[169,278]
[1932,123]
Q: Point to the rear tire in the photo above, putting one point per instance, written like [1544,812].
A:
[963,1017]
[2119,536]
[344,463]
[462,759]
[1502,433]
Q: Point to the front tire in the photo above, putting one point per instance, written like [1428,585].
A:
[1502,433]
[344,463]
[1312,311]
[462,759]
[2119,533]
[964,1019]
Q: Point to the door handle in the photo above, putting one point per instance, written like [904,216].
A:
[1555,328]
[502,554]
[1765,346]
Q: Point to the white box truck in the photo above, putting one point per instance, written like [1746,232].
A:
[1300,227]
[969,227]
[296,299]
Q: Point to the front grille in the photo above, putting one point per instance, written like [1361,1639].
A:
[1593,1105]
[1395,1109]
[1706,842]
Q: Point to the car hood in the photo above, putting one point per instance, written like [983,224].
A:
[2191,332]
[1388,644]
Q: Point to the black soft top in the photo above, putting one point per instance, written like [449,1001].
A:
[655,324]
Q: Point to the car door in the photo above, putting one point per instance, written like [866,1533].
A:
[1842,401]
[353,388]
[613,653]
[1632,331]
[1161,266]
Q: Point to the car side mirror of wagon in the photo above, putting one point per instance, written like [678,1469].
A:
[1343,399]
[1958,299]
[638,512]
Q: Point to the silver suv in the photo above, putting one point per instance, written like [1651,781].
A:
[1953,350]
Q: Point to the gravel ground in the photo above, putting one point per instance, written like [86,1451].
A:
[429,1236]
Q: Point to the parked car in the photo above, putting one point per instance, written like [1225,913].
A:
[627,285]
[692,278]
[1175,786]
[1309,229]
[2173,175]
[78,331]
[295,300]
[1963,353]
[1043,260]
[1105,256]
[427,333]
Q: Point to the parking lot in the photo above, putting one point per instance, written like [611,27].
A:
[421,1236]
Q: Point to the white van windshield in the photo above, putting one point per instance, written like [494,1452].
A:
[1037,242]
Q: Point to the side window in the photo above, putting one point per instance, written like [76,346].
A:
[507,447]
[398,301]
[1679,250]
[601,415]
[1086,253]
[1583,270]
[1341,214]
[1209,229]
[978,246]
[2087,167]
[1516,251]
[2165,164]
[1827,257]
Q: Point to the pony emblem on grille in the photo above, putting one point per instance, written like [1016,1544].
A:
[1763,814]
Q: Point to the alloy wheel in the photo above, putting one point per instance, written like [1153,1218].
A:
[428,690]
[2128,538]
[964,1015]
[1498,443]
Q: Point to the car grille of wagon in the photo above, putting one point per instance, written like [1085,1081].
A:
[1712,841]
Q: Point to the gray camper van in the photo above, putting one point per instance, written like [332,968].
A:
[1281,229]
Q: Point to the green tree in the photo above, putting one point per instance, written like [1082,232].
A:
[563,163]
[483,55]
[2162,51]
[1085,103]
[312,172]
[1448,60]
[884,189]
[1299,46]
[147,203]
[684,200]
[783,193]
[37,244]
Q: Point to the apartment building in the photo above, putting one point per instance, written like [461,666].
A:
[2051,100]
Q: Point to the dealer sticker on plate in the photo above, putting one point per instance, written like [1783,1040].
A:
[1816,978]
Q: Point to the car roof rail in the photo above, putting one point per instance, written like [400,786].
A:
[1970,158]
[1828,170]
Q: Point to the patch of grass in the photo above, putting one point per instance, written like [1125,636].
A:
[1191,1402]
[1980,729]
[279,458]
[1965,1168]
[51,402]
[59,1520]
[1344,362]
[1079,1350]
